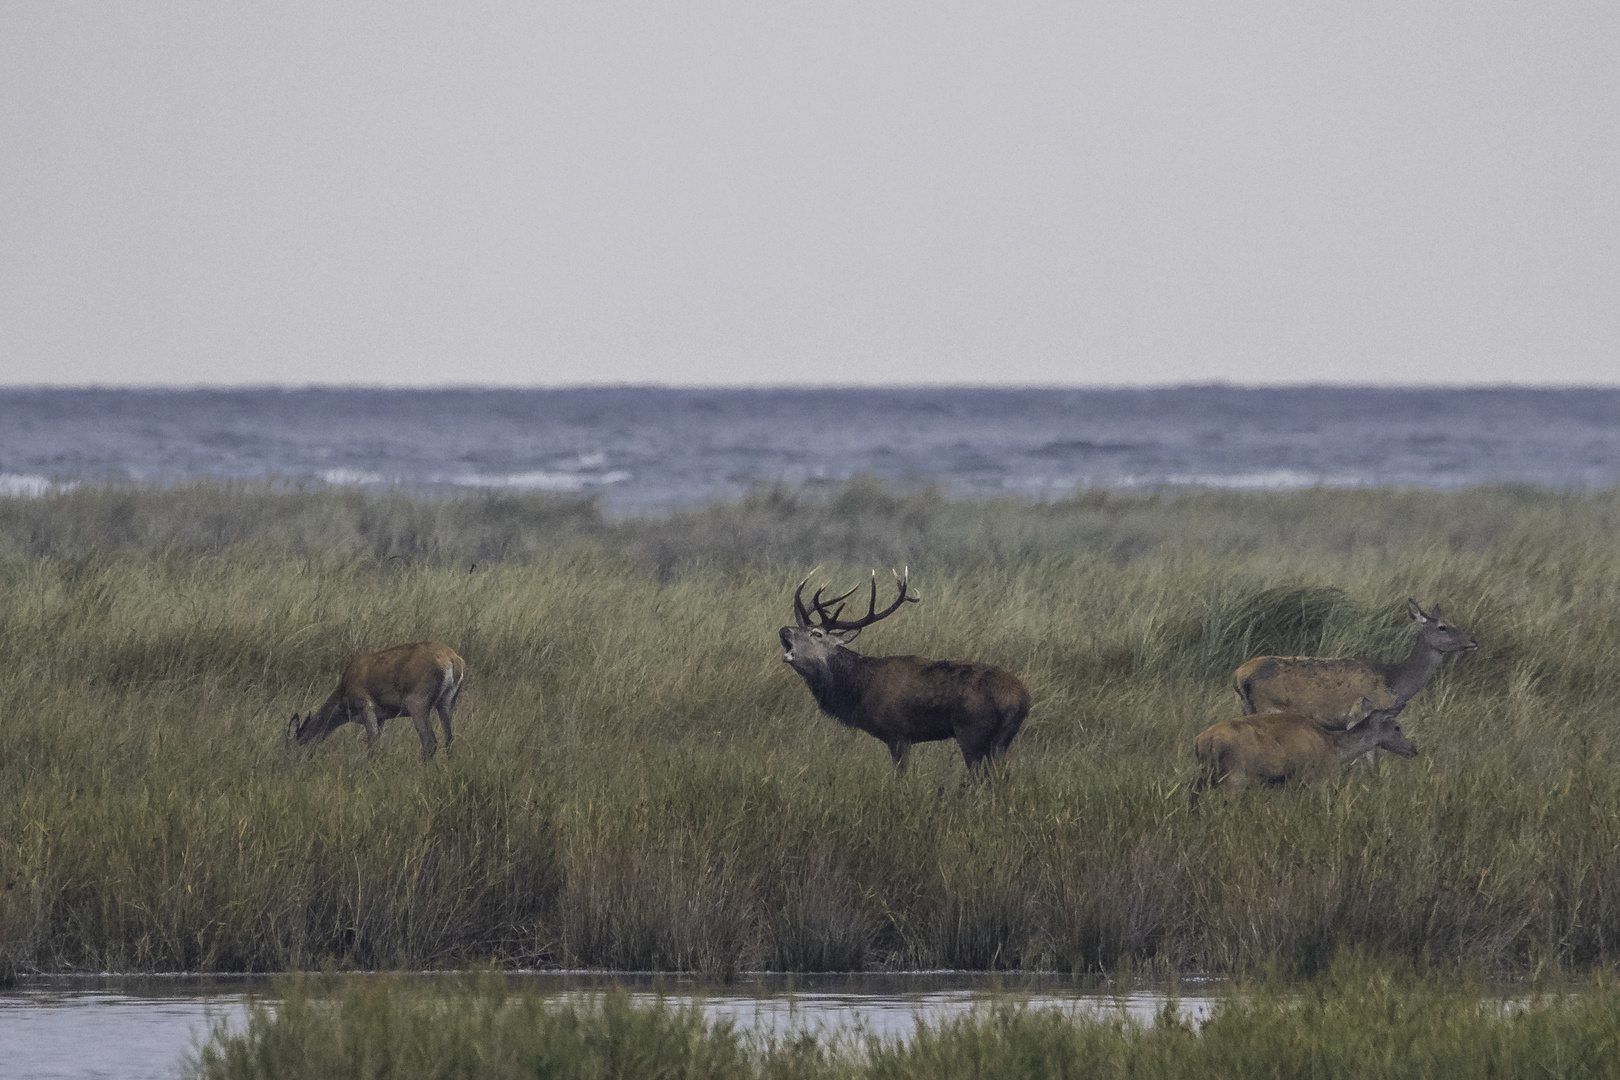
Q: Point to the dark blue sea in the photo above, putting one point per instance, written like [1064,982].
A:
[647,449]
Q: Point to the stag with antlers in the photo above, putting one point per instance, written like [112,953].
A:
[899,699]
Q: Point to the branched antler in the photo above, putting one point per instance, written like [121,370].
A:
[829,620]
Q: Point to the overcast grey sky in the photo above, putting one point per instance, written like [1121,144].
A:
[758,193]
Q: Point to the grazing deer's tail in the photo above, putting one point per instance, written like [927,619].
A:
[450,683]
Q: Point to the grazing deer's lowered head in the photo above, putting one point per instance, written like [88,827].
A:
[900,700]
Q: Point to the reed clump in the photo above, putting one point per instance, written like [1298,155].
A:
[638,782]
[1358,1019]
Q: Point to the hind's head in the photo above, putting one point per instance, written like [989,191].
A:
[1438,634]
[1382,724]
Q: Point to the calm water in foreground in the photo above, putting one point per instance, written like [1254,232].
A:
[141,1027]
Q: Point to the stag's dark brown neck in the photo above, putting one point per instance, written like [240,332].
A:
[839,684]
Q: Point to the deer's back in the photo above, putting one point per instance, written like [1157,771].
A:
[1269,747]
[391,676]
[941,694]
[1326,689]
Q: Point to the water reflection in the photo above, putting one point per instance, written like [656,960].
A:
[142,1027]
[886,1005]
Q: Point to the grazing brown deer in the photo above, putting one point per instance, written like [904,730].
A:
[1275,748]
[1328,689]
[900,699]
[407,680]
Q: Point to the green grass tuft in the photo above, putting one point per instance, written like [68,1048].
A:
[1359,1019]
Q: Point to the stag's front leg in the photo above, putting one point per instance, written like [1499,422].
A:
[900,750]
[368,717]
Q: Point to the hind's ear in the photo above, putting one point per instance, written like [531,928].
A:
[1417,611]
[1358,714]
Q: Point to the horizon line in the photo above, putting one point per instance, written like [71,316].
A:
[1191,384]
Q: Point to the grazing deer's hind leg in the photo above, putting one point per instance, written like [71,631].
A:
[421,710]
[424,731]
[446,706]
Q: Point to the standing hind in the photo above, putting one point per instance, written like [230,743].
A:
[1329,688]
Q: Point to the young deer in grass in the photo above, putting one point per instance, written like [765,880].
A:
[1328,689]
[900,700]
[1275,748]
[407,680]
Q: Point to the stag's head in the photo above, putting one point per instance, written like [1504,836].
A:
[1437,634]
[818,630]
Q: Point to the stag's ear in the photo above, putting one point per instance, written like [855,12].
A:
[844,637]
[1417,611]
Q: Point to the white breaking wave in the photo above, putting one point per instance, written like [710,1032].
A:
[1274,478]
[542,481]
[27,485]
[352,476]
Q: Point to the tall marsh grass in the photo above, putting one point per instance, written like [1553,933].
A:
[638,782]
[1357,1020]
